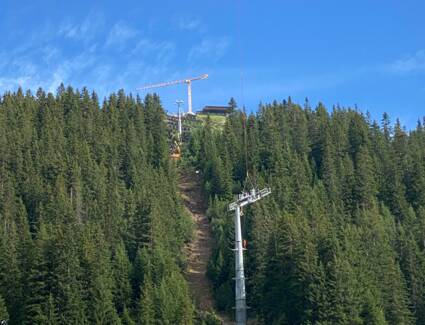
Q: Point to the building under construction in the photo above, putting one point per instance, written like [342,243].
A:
[187,122]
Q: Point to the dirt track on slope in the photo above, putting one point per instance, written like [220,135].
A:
[200,248]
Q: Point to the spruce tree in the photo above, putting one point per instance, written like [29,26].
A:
[4,316]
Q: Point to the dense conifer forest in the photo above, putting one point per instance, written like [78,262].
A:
[92,228]
[91,225]
[341,240]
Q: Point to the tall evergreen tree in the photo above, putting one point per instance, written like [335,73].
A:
[4,316]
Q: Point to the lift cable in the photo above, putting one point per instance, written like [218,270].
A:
[248,181]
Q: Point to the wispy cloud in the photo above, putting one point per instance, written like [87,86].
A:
[85,30]
[3,60]
[50,53]
[11,82]
[31,73]
[409,63]
[213,49]
[84,53]
[48,63]
[69,68]
[160,51]
[189,23]
[120,34]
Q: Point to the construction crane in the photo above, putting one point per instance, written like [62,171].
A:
[187,81]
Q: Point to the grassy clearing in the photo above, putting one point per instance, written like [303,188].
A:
[217,121]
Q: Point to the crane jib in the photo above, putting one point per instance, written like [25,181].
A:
[174,82]
[187,81]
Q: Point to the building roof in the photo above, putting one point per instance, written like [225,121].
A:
[216,109]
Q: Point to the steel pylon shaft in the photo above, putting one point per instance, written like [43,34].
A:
[240,293]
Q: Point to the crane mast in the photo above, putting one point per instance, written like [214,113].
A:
[187,81]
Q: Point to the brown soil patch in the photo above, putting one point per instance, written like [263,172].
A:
[200,248]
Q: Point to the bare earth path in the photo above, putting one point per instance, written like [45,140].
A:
[200,249]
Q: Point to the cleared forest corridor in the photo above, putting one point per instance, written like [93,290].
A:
[200,249]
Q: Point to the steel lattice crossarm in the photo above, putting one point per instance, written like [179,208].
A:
[249,197]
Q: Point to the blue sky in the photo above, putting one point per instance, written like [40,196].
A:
[369,53]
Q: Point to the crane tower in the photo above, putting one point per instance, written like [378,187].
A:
[187,81]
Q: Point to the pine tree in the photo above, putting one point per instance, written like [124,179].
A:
[51,314]
[126,318]
[232,104]
[121,272]
[147,303]
[37,289]
[4,316]
[364,191]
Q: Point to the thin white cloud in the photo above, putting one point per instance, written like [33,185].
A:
[213,49]
[10,83]
[409,64]
[189,23]
[162,51]
[3,60]
[67,69]
[120,34]
[68,30]
[46,61]
[50,53]
[23,65]
[84,31]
